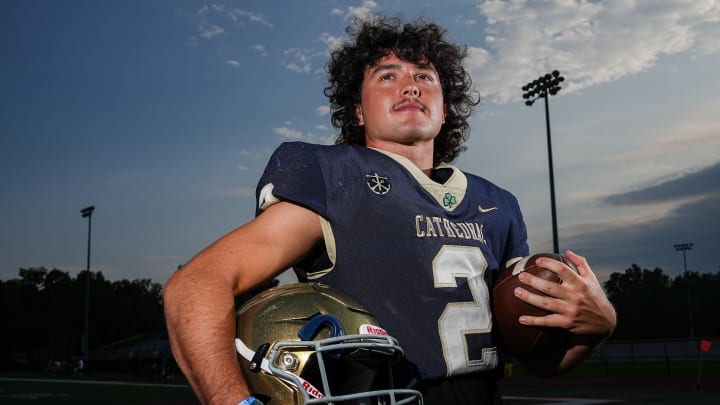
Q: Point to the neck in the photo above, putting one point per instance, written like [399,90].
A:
[420,154]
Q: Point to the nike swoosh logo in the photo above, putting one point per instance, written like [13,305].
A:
[484,210]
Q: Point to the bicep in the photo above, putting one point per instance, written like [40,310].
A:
[259,250]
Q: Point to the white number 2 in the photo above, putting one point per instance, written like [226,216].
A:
[460,319]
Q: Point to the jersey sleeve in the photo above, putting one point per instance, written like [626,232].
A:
[517,240]
[293,174]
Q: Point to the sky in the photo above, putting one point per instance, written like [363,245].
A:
[162,115]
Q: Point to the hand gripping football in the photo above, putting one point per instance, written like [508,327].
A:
[516,339]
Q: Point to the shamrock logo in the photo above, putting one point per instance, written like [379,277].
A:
[449,200]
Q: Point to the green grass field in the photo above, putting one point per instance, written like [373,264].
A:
[620,384]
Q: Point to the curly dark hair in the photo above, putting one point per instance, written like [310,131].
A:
[374,38]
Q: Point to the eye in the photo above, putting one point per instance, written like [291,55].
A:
[387,76]
[424,76]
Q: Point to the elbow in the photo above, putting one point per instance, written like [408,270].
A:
[171,293]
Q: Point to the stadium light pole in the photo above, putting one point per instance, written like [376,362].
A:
[684,247]
[87,213]
[543,87]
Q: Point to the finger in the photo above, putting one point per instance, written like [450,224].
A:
[546,287]
[552,320]
[545,302]
[562,270]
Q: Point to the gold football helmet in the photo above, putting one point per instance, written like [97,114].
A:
[307,343]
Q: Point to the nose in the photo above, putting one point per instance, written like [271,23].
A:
[410,89]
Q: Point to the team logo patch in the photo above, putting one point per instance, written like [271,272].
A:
[378,184]
[449,200]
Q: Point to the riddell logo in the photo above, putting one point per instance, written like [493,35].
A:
[312,390]
[372,330]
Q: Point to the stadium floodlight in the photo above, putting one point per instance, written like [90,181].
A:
[684,247]
[87,213]
[543,87]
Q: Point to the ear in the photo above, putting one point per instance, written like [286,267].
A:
[444,112]
[359,115]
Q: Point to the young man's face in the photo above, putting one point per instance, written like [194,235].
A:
[401,102]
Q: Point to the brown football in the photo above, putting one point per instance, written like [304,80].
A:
[516,339]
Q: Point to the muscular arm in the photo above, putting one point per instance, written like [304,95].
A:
[199,298]
[578,305]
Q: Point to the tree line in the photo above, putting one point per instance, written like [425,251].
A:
[43,311]
[653,305]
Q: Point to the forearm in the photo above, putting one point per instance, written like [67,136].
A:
[200,316]
[200,298]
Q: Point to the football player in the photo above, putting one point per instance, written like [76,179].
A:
[384,217]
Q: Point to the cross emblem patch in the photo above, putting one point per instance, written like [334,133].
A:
[378,184]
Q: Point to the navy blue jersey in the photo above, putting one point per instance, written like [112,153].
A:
[420,255]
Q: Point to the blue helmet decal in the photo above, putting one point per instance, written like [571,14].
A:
[319,321]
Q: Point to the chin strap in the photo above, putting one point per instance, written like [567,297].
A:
[248,354]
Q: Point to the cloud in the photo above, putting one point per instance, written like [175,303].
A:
[260,49]
[288,133]
[351,12]
[234,14]
[239,15]
[463,20]
[331,41]
[648,221]
[708,34]
[322,110]
[193,42]
[361,11]
[214,19]
[613,246]
[694,132]
[324,135]
[589,42]
[208,31]
[702,184]
[300,60]
[233,63]
[304,60]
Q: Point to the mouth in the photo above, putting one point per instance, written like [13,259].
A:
[410,105]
